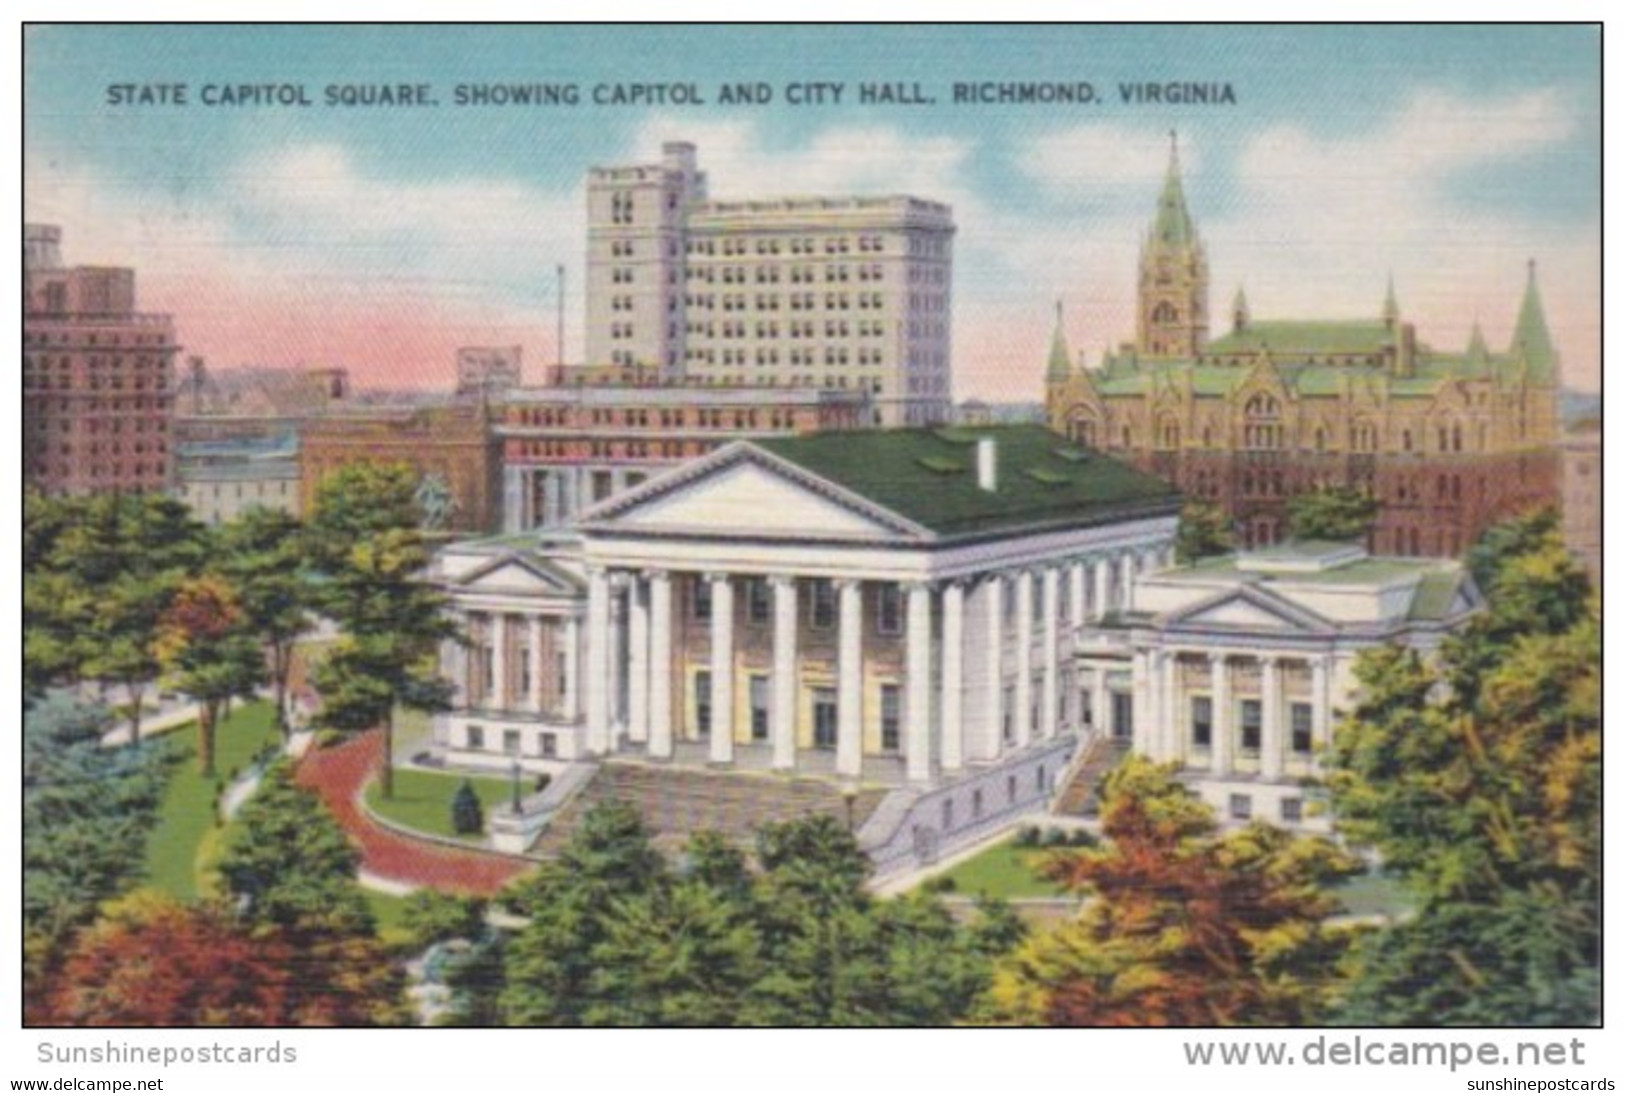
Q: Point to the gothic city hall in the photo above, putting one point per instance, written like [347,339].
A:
[1447,440]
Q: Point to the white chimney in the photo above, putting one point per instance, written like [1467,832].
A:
[987,464]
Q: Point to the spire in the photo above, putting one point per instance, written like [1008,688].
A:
[1173,224]
[1390,303]
[1060,358]
[1239,314]
[1531,339]
[1476,364]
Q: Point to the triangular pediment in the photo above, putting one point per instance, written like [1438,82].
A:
[515,575]
[1248,609]
[747,493]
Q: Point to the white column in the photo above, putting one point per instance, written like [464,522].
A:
[660,664]
[722,668]
[785,685]
[918,709]
[953,676]
[536,664]
[570,685]
[849,683]
[1223,732]
[1101,703]
[1270,754]
[1125,575]
[1320,698]
[993,708]
[1024,658]
[1144,736]
[1075,589]
[596,684]
[1103,587]
[637,689]
[1170,707]
[499,661]
[1052,651]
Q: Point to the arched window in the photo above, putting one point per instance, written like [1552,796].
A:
[1081,430]
[1363,436]
[1168,432]
[1164,313]
[1261,423]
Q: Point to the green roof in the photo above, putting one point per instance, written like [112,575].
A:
[1173,224]
[1435,594]
[1301,337]
[1530,338]
[1060,358]
[1367,571]
[1042,479]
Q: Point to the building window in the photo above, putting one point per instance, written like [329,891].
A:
[548,744]
[976,804]
[889,619]
[1291,810]
[823,604]
[825,717]
[1303,721]
[1042,778]
[476,737]
[700,603]
[1201,721]
[1010,789]
[947,814]
[1252,725]
[758,707]
[510,742]
[891,717]
[756,601]
[702,703]
[1241,806]
[1008,729]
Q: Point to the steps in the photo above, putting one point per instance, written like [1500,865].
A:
[676,802]
[1081,795]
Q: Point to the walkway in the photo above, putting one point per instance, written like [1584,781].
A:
[338,774]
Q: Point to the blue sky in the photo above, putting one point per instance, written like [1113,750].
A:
[380,238]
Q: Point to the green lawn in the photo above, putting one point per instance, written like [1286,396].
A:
[186,816]
[1004,870]
[422,799]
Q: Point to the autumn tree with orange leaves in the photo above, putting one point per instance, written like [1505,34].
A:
[1183,925]
[207,651]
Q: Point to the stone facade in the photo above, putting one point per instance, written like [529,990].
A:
[846,292]
[1582,495]
[1447,441]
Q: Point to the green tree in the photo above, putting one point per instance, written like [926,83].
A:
[365,536]
[467,817]
[1339,513]
[116,566]
[550,965]
[264,555]
[1204,530]
[1186,926]
[1477,776]
[432,917]
[290,865]
[205,649]
[87,812]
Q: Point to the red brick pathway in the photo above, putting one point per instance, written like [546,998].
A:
[338,774]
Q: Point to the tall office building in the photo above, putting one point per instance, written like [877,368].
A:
[98,376]
[843,292]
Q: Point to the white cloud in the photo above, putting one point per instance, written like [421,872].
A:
[1102,155]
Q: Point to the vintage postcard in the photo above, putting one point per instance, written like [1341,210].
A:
[813,526]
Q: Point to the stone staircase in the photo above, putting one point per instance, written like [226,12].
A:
[676,802]
[1081,794]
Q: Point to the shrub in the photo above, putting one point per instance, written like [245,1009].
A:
[1028,837]
[1084,838]
[467,817]
[542,782]
[941,884]
[1055,836]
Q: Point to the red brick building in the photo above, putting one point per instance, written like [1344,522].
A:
[98,377]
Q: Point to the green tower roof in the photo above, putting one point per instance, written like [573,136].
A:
[1173,225]
[1060,358]
[1531,339]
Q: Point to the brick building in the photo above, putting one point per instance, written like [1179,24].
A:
[1448,441]
[98,377]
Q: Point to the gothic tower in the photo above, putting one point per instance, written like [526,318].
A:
[1173,319]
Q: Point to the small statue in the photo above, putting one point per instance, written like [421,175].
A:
[435,500]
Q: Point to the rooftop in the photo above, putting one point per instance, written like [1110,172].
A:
[929,476]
